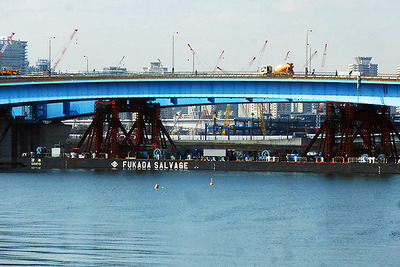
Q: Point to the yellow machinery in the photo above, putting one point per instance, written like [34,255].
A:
[226,119]
[261,117]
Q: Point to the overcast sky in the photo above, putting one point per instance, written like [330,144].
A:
[142,32]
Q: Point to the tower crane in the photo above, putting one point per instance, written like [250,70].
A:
[6,44]
[65,48]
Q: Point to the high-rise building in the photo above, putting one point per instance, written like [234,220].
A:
[15,56]
[364,66]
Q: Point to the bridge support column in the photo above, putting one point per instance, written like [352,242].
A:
[146,134]
[345,122]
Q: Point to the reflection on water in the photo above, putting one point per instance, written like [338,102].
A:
[54,217]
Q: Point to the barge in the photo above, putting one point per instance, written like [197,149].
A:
[173,164]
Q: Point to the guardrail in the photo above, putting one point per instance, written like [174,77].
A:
[188,75]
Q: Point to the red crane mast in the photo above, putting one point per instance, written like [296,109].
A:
[6,44]
[65,48]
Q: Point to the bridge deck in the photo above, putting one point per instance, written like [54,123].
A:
[128,76]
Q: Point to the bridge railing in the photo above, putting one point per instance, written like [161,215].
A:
[186,75]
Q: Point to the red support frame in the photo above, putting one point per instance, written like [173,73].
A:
[345,122]
[147,121]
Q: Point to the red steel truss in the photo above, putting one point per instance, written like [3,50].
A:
[107,135]
[344,122]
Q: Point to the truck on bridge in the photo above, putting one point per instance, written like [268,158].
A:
[284,68]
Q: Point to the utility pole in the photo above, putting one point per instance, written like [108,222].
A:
[173,52]
[87,64]
[307,44]
[49,68]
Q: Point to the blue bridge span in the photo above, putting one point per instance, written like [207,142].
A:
[74,96]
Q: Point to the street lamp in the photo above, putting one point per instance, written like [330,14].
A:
[49,67]
[307,44]
[173,48]
[87,64]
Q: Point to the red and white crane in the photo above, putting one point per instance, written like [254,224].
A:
[287,55]
[311,58]
[120,62]
[193,53]
[219,59]
[65,49]
[6,44]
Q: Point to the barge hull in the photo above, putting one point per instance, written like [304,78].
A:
[163,165]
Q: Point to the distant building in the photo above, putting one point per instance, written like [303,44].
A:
[114,70]
[42,66]
[155,67]
[15,56]
[364,66]
[398,70]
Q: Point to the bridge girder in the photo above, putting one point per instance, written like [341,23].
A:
[200,91]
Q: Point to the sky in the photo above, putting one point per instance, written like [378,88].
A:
[142,31]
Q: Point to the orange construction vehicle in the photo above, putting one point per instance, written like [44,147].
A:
[285,68]
[9,72]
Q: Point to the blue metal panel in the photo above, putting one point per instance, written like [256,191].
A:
[199,91]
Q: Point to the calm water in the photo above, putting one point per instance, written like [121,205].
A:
[85,218]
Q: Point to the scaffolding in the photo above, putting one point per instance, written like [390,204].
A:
[15,56]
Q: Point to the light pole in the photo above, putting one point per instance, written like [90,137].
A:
[49,67]
[87,64]
[307,44]
[173,52]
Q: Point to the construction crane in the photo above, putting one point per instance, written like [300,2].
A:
[65,48]
[261,117]
[219,59]
[287,56]
[120,62]
[193,53]
[226,119]
[204,115]
[6,44]
[259,56]
[261,53]
[177,117]
[310,59]
[161,66]
[324,56]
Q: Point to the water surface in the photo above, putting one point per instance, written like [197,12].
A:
[83,218]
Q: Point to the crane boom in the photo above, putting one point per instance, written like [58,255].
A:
[261,117]
[6,44]
[219,59]
[287,55]
[65,48]
[120,62]
[311,58]
[227,114]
